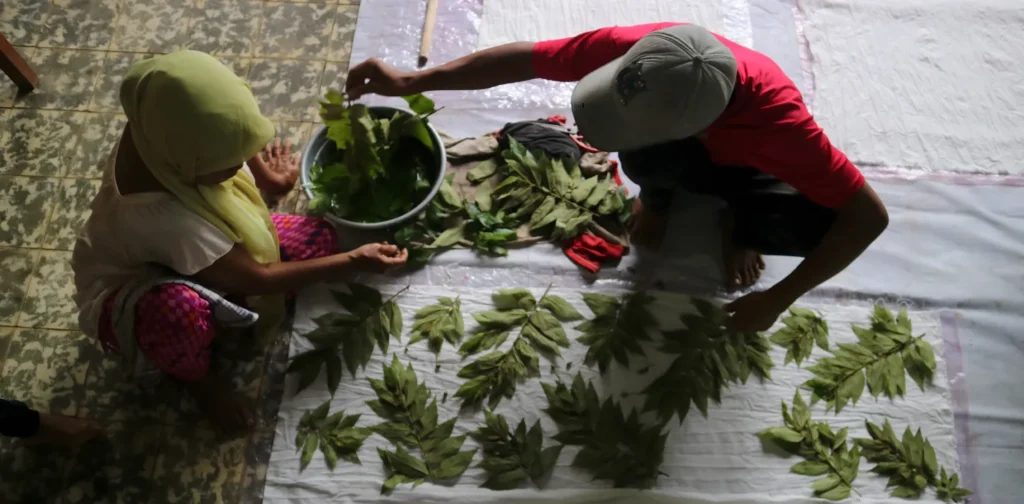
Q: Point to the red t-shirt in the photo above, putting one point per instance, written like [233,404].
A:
[767,126]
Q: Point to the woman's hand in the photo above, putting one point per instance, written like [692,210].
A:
[378,257]
[375,76]
[275,169]
[646,228]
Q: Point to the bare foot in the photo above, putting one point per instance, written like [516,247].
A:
[223,407]
[65,430]
[743,267]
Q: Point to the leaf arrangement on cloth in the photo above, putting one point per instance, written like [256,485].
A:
[438,323]
[539,323]
[380,167]
[370,320]
[558,201]
[618,327]
[615,447]
[909,463]
[826,452]
[803,329]
[885,352]
[512,457]
[412,423]
[336,435]
[709,358]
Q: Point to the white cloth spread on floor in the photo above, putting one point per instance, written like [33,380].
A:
[932,85]
[714,459]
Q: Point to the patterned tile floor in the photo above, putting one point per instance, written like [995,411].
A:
[51,142]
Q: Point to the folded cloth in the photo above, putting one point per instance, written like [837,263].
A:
[468,149]
[225,313]
[551,138]
[591,251]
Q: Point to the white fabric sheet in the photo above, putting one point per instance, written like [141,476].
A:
[507,21]
[933,85]
[714,459]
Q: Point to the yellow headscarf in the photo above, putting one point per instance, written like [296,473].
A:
[190,116]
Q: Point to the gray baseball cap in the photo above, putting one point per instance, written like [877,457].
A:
[672,84]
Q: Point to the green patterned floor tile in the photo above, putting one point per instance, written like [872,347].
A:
[50,302]
[47,369]
[15,267]
[196,466]
[117,468]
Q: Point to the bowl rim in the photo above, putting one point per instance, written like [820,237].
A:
[312,148]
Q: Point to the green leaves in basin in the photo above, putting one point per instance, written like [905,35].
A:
[883,355]
[370,321]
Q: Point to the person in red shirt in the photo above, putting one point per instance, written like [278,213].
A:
[688,108]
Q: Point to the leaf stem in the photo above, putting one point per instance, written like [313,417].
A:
[399,293]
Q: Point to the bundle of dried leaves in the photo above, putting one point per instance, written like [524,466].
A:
[615,447]
[885,352]
[337,436]
[370,319]
[539,323]
[826,452]
[709,358]
[909,463]
[618,327]
[410,422]
[513,457]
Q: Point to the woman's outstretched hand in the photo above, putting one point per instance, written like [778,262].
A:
[275,168]
[378,257]
[376,77]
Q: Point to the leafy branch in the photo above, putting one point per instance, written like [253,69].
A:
[438,323]
[618,327]
[710,357]
[370,319]
[614,447]
[885,352]
[826,452]
[335,435]
[495,375]
[547,193]
[411,423]
[803,329]
[511,457]
[909,463]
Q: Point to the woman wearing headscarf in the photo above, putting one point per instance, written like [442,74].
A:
[179,227]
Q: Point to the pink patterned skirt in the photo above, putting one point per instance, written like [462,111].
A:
[173,323]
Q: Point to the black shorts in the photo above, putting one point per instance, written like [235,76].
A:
[771,217]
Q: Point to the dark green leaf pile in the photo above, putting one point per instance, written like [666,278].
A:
[618,327]
[709,358]
[379,168]
[884,353]
[410,422]
[826,452]
[539,323]
[370,320]
[615,447]
[512,457]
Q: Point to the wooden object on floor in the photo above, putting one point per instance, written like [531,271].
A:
[15,67]
[428,32]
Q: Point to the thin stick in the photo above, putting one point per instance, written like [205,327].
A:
[428,32]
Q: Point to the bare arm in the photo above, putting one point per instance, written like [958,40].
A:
[236,273]
[483,69]
[858,223]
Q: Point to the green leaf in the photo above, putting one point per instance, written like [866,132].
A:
[449,196]
[782,434]
[600,304]
[482,170]
[330,456]
[420,104]
[838,493]
[810,468]
[333,372]
[507,480]
[308,449]
[825,484]
[560,308]
[497,318]
[802,330]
